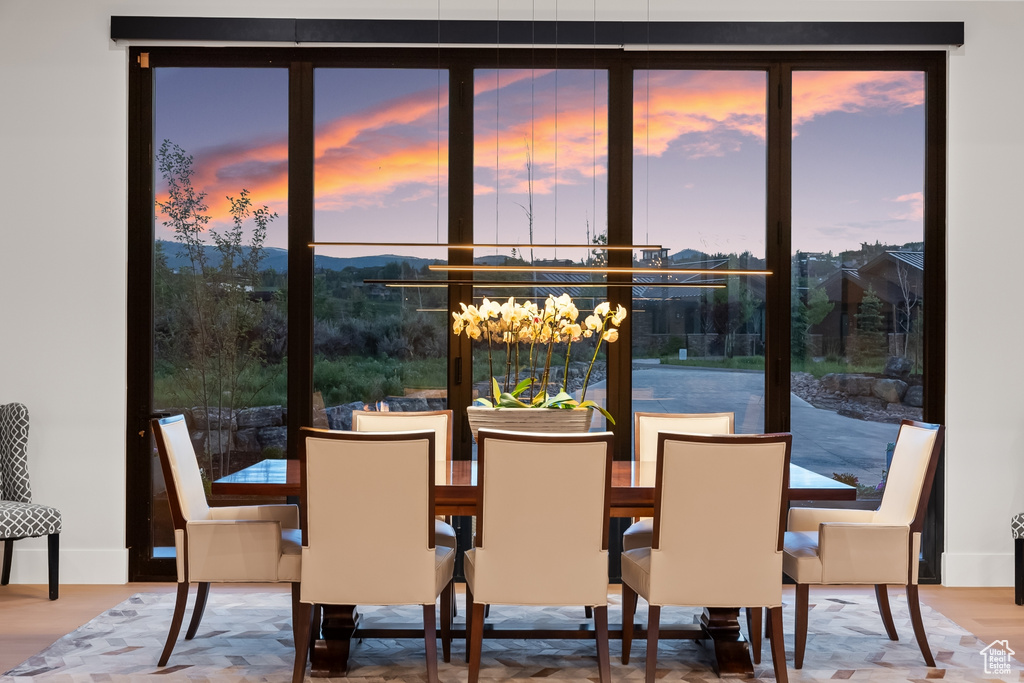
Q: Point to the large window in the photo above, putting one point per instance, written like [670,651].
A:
[699,166]
[818,174]
[380,177]
[857,289]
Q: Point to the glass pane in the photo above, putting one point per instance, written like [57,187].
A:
[220,264]
[540,177]
[699,161]
[858,265]
[381,179]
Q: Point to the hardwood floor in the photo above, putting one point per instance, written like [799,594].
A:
[29,622]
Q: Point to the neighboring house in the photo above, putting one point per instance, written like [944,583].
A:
[897,279]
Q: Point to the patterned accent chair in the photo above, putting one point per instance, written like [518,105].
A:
[19,516]
[1017,527]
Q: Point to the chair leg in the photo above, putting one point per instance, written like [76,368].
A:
[469,619]
[1018,570]
[476,642]
[628,614]
[5,574]
[914,603]
[882,598]
[754,632]
[800,639]
[653,625]
[179,615]
[604,665]
[302,625]
[430,640]
[588,612]
[447,598]
[202,594]
[778,645]
[53,564]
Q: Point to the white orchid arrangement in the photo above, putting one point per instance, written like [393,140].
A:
[527,332]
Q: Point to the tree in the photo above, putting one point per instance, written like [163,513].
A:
[216,328]
[870,338]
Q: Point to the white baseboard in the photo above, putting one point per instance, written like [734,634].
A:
[76,566]
[972,570]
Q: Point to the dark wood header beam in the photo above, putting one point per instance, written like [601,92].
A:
[467,32]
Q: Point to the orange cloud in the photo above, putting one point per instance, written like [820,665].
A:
[913,206]
[822,92]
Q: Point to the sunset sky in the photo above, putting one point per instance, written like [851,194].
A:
[699,154]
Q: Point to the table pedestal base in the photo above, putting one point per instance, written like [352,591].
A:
[329,657]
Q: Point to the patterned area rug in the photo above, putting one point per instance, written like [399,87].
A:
[247,637]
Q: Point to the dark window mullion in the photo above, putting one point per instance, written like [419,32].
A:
[778,246]
[300,254]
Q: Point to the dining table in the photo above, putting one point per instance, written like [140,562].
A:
[455,494]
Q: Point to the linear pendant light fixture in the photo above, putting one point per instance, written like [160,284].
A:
[519,284]
[481,245]
[593,269]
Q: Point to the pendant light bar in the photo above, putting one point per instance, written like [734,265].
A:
[598,270]
[538,283]
[478,245]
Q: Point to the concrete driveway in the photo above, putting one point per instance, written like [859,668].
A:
[823,441]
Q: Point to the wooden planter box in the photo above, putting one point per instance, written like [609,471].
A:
[529,419]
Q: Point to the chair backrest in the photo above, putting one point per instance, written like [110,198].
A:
[719,520]
[184,484]
[14,482]
[525,481]
[439,421]
[908,483]
[367,517]
[647,426]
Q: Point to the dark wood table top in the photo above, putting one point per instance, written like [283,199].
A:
[458,495]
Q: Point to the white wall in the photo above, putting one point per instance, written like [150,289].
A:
[63,128]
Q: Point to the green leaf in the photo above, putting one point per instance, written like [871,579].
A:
[591,404]
[521,387]
[484,402]
[495,387]
[510,401]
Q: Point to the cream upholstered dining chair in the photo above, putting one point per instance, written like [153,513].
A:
[875,547]
[646,427]
[19,516]
[740,546]
[524,481]
[394,561]
[240,544]
[438,421]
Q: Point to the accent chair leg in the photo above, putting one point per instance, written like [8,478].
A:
[5,573]
[1018,570]
[778,646]
[179,615]
[653,626]
[754,632]
[604,665]
[628,614]
[202,594]
[430,640]
[800,639]
[914,604]
[476,642]
[53,564]
[882,598]
[302,625]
